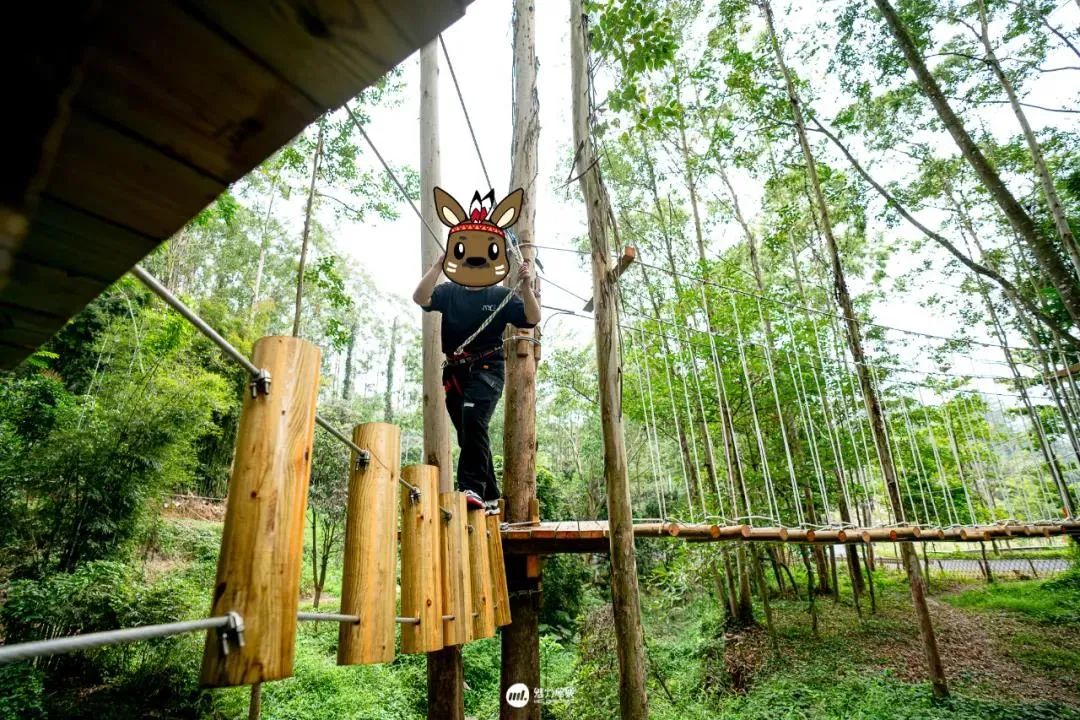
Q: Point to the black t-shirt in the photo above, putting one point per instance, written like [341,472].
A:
[463,310]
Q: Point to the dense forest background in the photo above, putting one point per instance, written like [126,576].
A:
[956,233]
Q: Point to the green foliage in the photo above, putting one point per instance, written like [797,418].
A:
[24,692]
[1054,601]
[86,469]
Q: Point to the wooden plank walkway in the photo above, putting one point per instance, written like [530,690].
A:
[588,536]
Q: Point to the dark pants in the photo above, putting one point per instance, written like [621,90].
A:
[472,392]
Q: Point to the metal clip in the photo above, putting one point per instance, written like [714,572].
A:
[231,632]
[260,384]
[362,459]
[414,495]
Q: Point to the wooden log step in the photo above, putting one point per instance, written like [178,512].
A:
[421,561]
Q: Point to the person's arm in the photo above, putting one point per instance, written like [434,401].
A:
[528,297]
[422,295]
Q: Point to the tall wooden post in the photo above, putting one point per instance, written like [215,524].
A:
[633,702]
[258,573]
[521,638]
[445,679]
[866,383]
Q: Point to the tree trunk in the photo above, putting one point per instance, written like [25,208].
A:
[810,590]
[347,383]
[520,659]
[445,674]
[633,701]
[869,392]
[315,556]
[1053,201]
[763,591]
[1044,251]
[851,553]
[264,246]
[307,235]
[391,358]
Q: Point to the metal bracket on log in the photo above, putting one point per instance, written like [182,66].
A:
[260,384]
[232,632]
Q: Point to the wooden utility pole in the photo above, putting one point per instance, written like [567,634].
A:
[633,702]
[445,678]
[521,638]
[869,391]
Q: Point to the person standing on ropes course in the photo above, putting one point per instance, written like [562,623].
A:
[475,311]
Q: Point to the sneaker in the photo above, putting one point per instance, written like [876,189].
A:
[473,501]
[491,507]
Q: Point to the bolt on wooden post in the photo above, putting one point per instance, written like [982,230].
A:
[258,573]
[371,548]
[421,561]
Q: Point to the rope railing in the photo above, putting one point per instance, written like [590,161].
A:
[230,632]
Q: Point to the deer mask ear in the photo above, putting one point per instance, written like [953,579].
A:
[447,208]
[508,211]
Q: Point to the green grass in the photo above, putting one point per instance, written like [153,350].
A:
[1055,601]
[877,696]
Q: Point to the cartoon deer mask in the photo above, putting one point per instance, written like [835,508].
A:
[476,244]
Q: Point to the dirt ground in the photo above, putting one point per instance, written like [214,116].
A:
[991,654]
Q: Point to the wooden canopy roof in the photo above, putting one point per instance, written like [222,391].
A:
[135,114]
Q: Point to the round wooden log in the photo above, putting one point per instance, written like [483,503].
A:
[801,535]
[974,533]
[829,536]
[483,617]
[931,534]
[768,534]
[699,532]
[905,533]
[421,561]
[370,570]
[953,534]
[457,582]
[878,534]
[673,529]
[258,572]
[653,529]
[500,594]
[734,531]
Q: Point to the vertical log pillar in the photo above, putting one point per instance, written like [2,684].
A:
[483,610]
[421,561]
[457,582]
[633,699]
[520,660]
[445,678]
[500,595]
[367,585]
[258,573]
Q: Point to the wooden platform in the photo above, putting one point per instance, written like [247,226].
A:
[130,117]
[588,536]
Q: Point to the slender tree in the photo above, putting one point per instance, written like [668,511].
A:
[855,346]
